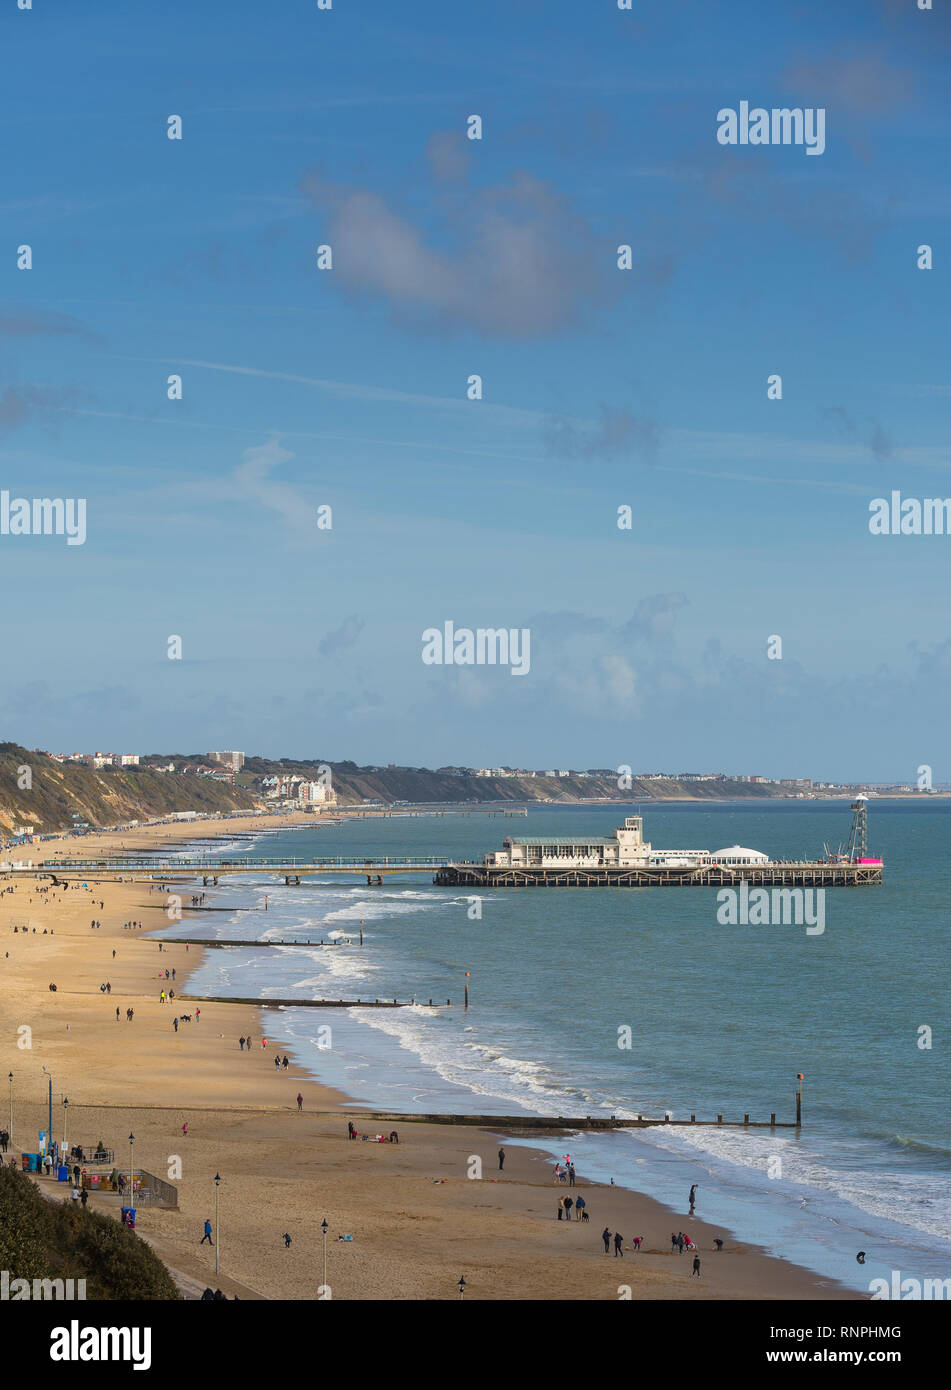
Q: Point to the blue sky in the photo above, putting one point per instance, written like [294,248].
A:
[347,388]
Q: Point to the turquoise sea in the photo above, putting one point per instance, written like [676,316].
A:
[721,1018]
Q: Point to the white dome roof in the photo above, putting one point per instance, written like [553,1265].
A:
[738,852]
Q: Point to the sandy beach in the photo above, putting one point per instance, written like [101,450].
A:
[417,1219]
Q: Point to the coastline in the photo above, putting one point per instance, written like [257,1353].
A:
[416,1225]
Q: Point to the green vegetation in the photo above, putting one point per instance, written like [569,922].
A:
[48,1240]
[62,793]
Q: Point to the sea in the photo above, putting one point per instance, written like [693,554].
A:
[633,1002]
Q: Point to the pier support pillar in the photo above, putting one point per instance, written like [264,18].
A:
[746,1120]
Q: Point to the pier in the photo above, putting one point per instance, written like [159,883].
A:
[210,870]
[468,873]
[778,875]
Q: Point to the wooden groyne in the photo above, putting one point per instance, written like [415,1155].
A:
[227,945]
[587,1122]
[306,1003]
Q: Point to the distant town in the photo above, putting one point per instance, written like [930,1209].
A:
[223,765]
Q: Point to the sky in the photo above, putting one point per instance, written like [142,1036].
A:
[348,387]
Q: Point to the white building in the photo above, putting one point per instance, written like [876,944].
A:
[626,848]
[736,854]
[232,759]
[315,794]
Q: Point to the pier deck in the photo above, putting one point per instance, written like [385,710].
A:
[447,874]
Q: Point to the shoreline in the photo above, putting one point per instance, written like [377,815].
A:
[413,1232]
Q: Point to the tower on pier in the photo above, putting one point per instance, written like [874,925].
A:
[858,848]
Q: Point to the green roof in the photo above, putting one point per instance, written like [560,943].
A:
[560,840]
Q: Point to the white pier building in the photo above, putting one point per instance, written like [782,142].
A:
[626,848]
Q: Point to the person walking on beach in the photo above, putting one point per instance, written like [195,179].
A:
[84,1198]
[571,1175]
[561,1208]
[606,1237]
[618,1245]
[184,1129]
[693,1195]
[241,1043]
[207,1235]
[568,1205]
[300,1102]
[117,1013]
[175,1024]
[673,1241]
[580,1205]
[681,1242]
[501,1158]
[696,1267]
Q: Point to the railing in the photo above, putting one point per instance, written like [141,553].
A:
[150,1191]
[427,861]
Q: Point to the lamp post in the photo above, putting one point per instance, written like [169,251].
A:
[131,1169]
[217,1227]
[11,1108]
[324,1228]
[65,1107]
[49,1129]
[462,1288]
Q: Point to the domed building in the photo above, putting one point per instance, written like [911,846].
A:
[736,854]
